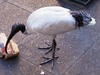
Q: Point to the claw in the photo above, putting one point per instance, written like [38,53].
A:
[46,58]
[49,60]
[45,48]
[46,62]
[48,51]
[47,44]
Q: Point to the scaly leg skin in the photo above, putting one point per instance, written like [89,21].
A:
[53,55]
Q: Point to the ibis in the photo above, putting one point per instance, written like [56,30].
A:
[51,21]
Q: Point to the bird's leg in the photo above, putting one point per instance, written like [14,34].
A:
[53,54]
[53,48]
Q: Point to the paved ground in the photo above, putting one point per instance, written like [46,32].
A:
[79,52]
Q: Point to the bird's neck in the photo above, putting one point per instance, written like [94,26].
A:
[23,29]
[79,19]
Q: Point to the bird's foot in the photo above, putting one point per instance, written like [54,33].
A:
[49,48]
[49,60]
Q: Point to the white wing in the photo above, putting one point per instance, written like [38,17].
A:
[53,8]
[50,21]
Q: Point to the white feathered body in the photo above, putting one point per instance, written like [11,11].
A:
[50,21]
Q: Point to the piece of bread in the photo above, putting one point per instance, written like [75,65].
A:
[12,48]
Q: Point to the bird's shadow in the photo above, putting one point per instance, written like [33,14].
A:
[9,64]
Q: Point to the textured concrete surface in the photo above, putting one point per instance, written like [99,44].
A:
[19,66]
[31,5]
[79,50]
[88,64]
[1,1]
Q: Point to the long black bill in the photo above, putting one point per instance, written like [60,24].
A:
[15,28]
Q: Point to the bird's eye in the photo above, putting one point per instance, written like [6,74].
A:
[91,19]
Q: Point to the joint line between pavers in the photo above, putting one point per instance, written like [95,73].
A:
[21,6]
[34,64]
[88,49]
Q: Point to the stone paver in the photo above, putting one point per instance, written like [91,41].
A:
[1,1]
[19,66]
[89,64]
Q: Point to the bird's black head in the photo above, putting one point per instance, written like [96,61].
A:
[83,19]
[15,28]
[86,18]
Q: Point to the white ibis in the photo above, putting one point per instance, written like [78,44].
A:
[52,21]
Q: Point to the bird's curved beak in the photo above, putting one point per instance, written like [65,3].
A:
[15,28]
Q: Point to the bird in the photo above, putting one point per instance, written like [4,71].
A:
[52,21]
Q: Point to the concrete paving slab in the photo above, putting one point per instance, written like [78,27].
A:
[89,64]
[9,15]
[31,5]
[1,1]
[19,66]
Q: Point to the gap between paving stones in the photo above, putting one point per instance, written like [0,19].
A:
[28,61]
[23,7]
[34,64]
[77,60]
